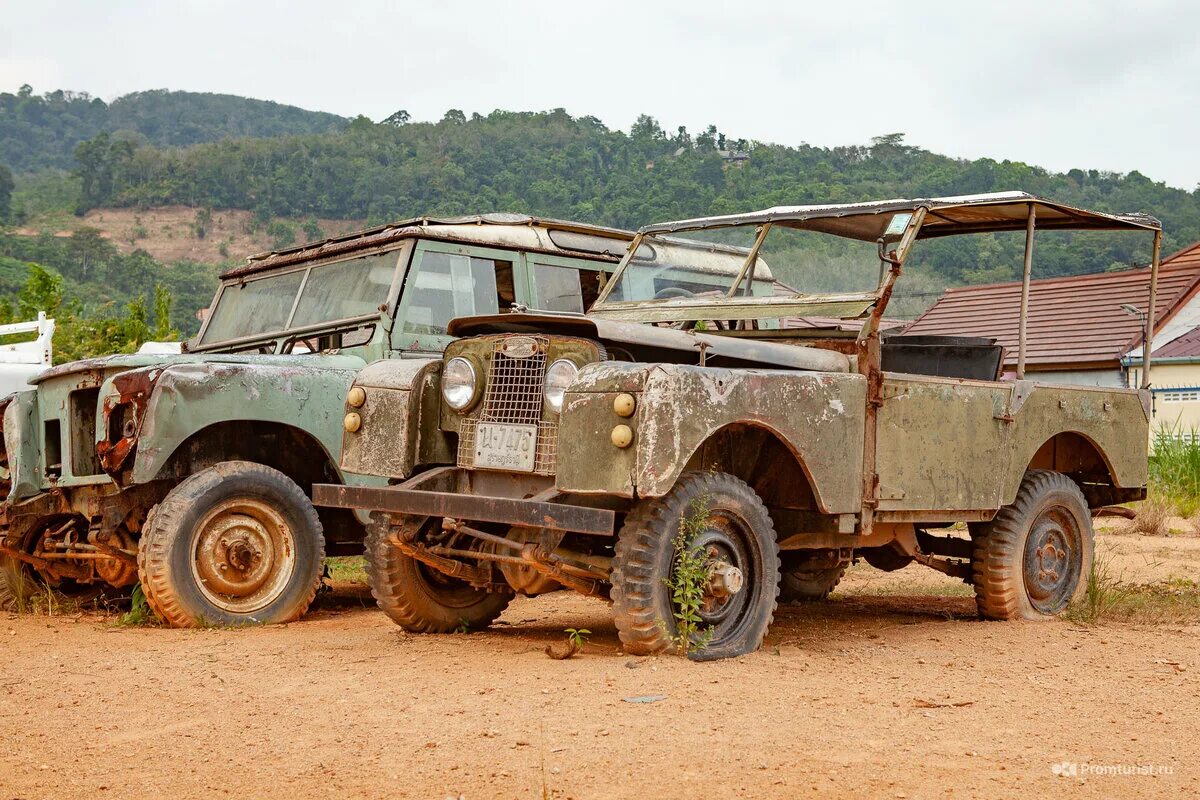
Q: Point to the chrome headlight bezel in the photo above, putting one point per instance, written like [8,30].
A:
[454,380]
[558,377]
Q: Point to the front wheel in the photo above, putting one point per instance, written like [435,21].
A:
[728,525]
[234,544]
[418,598]
[1033,559]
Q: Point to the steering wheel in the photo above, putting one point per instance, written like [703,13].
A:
[673,291]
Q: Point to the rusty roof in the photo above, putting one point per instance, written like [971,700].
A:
[431,227]
[1074,322]
[947,216]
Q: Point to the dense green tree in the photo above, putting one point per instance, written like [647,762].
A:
[6,189]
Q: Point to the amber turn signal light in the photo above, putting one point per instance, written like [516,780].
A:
[624,405]
[622,436]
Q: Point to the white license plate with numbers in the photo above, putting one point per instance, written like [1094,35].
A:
[502,446]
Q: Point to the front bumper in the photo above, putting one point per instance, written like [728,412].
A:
[403,499]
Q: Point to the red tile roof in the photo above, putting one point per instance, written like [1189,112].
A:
[1186,346]
[1073,322]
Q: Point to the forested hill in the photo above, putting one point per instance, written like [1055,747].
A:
[38,131]
[71,153]
[554,164]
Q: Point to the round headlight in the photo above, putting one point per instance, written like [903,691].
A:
[558,377]
[459,384]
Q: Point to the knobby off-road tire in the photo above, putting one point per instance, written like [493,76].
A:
[237,543]
[420,599]
[809,585]
[739,527]
[1033,559]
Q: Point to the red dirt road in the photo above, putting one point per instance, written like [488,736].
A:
[869,694]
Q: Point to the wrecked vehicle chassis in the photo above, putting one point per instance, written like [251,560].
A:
[191,474]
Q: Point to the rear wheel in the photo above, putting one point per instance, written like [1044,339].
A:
[730,526]
[809,582]
[236,543]
[417,597]
[1033,559]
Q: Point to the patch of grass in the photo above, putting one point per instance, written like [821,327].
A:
[1107,598]
[687,581]
[1171,602]
[1103,591]
[917,587]
[347,569]
[1175,470]
[1153,517]
[25,594]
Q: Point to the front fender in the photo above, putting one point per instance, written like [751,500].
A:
[147,414]
[399,419]
[818,416]
[22,445]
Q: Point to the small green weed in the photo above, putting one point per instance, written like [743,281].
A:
[578,637]
[687,581]
[139,613]
[463,626]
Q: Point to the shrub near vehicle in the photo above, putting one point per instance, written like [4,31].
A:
[580,447]
[192,473]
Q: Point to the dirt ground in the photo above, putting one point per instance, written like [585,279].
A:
[891,689]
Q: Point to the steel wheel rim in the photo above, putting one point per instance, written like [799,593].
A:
[726,538]
[1051,563]
[243,555]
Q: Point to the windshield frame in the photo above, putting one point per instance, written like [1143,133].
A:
[403,251]
[735,306]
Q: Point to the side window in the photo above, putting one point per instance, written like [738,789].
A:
[448,285]
[557,288]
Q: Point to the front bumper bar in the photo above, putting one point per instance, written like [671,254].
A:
[505,510]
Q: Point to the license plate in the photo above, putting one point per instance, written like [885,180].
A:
[508,447]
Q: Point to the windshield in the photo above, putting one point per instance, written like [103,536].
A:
[706,264]
[698,264]
[303,298]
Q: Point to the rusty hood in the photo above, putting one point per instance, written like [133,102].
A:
[122,362]
[636,336]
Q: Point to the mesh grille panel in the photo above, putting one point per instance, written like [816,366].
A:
[513,395]
[514,388]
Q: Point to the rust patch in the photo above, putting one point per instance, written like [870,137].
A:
[133,388]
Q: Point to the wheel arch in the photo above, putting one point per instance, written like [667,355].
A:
[749,449]
[1081,458]
[295,452]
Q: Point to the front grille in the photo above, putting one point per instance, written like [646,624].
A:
[513,395]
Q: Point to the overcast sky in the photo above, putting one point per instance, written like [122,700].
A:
[1094,85]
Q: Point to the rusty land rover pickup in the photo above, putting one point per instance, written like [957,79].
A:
[191,473]
[575,451]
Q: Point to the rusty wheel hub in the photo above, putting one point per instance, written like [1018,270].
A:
[725,554]
[244,555]
[1051,565]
